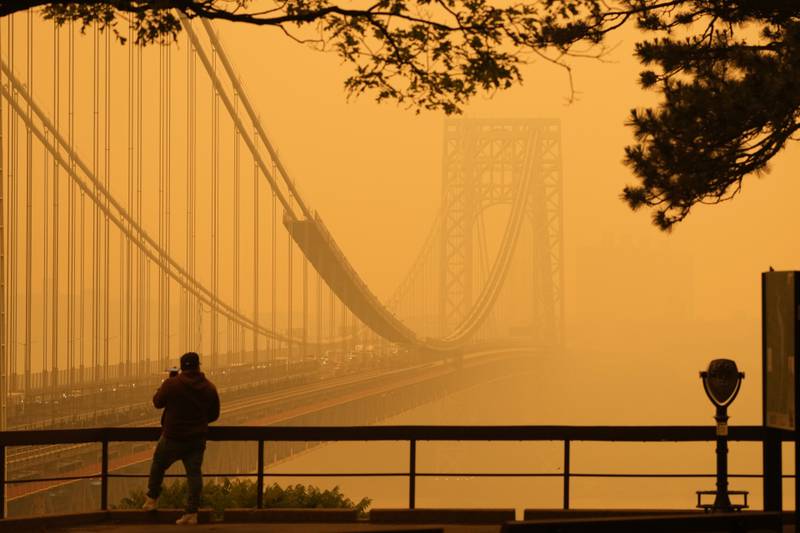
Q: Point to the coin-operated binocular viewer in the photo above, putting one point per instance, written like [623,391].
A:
[722,382]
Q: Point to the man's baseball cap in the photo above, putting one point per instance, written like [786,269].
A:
[190,361]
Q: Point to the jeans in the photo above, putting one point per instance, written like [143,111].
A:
[191,453]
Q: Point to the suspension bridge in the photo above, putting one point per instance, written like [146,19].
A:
[146,213]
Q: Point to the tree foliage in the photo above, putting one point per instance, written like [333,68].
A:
[241,494]
[730,101]
[727,70]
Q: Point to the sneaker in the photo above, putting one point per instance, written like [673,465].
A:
[188,519]
[150,504]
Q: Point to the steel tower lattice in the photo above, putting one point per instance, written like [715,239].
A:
[484,160]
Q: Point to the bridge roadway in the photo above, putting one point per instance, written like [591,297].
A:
[268,408]
[118,398]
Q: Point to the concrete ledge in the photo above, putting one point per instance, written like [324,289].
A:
[547,514]
[403,529]
[690,523]
[159,516]
[289,515]
[441,516]
[39,523]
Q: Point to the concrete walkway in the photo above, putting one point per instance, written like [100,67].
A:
[291,528]
[280,528]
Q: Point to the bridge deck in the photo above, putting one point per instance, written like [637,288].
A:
[322,251]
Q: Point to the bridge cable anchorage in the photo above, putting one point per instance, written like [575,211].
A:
[125,222]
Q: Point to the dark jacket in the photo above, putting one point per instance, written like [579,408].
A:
[190,402]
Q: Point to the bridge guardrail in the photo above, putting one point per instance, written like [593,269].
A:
[771,440]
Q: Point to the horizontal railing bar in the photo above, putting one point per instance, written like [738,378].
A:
[454,474]
[490,474]
[65,478]
[402,474]
[302,474]
[221,474]
[663,475]
[398,433]
[337,474]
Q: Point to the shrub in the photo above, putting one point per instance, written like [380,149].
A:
[236,493]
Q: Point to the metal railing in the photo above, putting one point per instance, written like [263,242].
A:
[771,440]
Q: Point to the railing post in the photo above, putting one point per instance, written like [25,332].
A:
[412,473]
[566,474]
[2,481]
[773,470]
[104,475]
[260,478]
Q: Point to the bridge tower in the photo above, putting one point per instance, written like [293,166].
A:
[484,160]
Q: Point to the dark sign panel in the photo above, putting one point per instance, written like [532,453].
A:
[779,346]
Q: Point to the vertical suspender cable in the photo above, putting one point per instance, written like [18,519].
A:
[45,263]
[128,301]
[3,347]
[343,326]
[319,315]
[82,268]
[185,337]
[214,214]
[28,215]
[162,332]
[194,306]
[12,226]
[236,223]
[255,252]
[161,208]
[106,177]
[71,208]
[332,318]
[236,214]
[142,318]
[95,212]
[353,331]
[56,227]
[304,353]
[275,343]
[290,283]
[191,338]
[168,199]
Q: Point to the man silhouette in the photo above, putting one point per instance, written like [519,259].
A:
[190,402]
